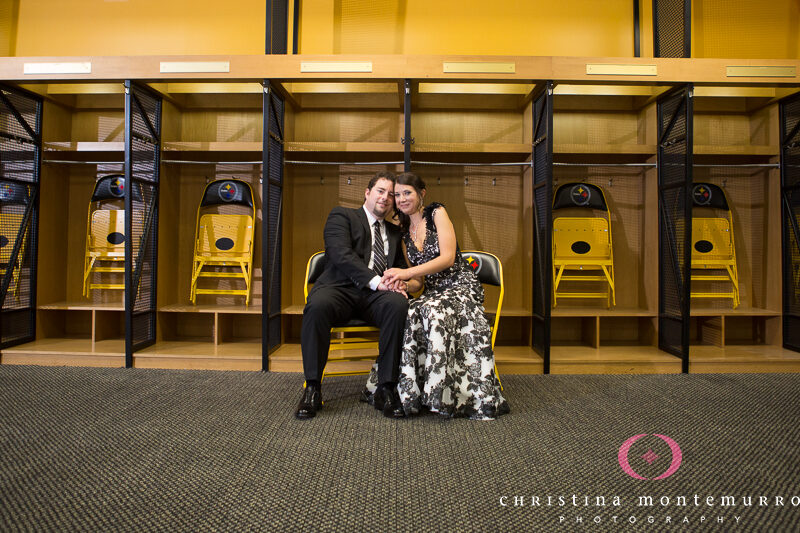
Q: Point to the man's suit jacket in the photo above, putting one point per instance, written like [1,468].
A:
[348,248]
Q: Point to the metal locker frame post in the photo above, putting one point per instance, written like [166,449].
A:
[542,170]
[407,140]
[142,137]
[675,120]
[21,168]
[272,203]
[789,110]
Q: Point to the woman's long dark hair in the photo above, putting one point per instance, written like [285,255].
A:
[412,180]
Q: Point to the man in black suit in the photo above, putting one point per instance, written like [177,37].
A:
[359,246]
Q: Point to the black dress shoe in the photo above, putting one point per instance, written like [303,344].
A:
[387,400]
[310,403]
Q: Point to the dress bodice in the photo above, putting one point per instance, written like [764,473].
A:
[459,275]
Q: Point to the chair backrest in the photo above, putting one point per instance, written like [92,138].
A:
[224,235]
[711,239]
[107,230]
[489,270]
[486,266]
[10,224]
[314,268]
[581,237]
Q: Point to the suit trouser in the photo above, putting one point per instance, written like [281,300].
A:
[330,306]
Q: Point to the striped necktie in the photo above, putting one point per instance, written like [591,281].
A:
[378,254]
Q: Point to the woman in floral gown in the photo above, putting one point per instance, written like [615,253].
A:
[447,365]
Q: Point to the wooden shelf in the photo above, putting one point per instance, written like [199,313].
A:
[67,352]
[211,146]
[480,148]
[594,312]
[612,360]
[224,309]
[509,360]
[83,306]
[605,149]
[105,152]
[742,358]
[739,311]
[736,150]
[295,147]
[243,355]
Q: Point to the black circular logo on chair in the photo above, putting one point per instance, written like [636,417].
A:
[3,240]
[117,187]
[703,246]
[580,194]
[701,194]
[474,261]
[116,238]
[581,247]
[224,243]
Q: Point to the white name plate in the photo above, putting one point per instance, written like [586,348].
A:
[58,68]
[621,70]
[174,67]
[336,66]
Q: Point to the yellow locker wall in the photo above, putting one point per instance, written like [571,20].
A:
[139,27]
[8,26]
[503,27]
[746,29]
[720,28]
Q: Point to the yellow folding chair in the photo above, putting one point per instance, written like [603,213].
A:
[14,200]
[342,340]
[489,270]
[105,235]
[10,225]
[223,246]
[713,248]
[583,250]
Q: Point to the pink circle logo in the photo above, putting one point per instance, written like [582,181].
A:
[650,457]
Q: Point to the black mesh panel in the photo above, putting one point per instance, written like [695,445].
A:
[20,164]
[542,201]
[273,192]
[674,182]
[671,35]
[277,26]
[790,191]
[143,131]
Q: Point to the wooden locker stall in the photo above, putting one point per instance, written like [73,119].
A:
[471,144]
[604,135]
[83,140]
[337,135]
[737,148]
[211,131]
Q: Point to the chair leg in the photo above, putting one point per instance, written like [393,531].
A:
[611,295]
[87,272]
[556,281]
[197,266]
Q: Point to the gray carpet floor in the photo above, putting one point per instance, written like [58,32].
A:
[85,449]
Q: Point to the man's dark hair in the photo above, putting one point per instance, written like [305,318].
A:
[383,174]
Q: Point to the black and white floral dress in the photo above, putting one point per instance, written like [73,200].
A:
[447,364]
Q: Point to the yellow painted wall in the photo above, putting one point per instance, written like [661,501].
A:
[139,27]
[746,29]
[8,26]
[720,28]
[503,27]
